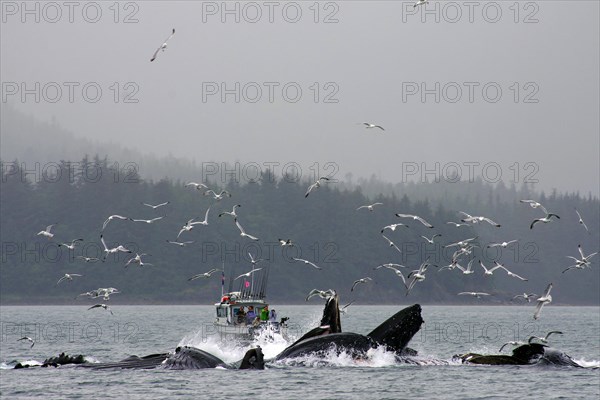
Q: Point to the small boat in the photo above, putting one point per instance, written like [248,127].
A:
[244,315]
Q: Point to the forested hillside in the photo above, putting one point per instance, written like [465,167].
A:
[326,227]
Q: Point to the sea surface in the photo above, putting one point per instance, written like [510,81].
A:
[144,330]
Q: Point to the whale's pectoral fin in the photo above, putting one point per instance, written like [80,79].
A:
[398,330]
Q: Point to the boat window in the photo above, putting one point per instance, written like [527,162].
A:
[221,312]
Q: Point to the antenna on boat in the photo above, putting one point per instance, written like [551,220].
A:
[222,278]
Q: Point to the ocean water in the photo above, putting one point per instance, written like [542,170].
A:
[448,330]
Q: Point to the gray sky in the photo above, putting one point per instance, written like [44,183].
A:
[375,61]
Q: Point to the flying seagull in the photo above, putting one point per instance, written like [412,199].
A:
[307,262]
[391,244]
[137,260]
[162,46]
[546,219]
[181,244]
[489,271]
[47,232]
[343,309]
[456,224]
[581,221]
[68,277]
[247,274]
[420,3]
[30,340]
[216,196]
[430,241]
[204,275]
[503,244]
[584,262]
[545,338]
[156,206]
[508,272]
[525,296]
[476,219]
[369,125]
[415,217]
[325,294]
[88,259]
[197,186]
[535,204]
[232,213]
[512,343]
[70,246]
[392,227]
[474,294]
[315,185]
[370,206]
[113,250]
[243,232]
[148,221]
[362,280]
[111,218]
[542,301]
[107,308]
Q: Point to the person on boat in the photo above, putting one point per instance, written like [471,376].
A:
[273,316]
[264,314]
[250,315]
[241,315]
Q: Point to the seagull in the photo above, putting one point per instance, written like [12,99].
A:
[390,266]
[343,309]
[68,277]
[197,186]
[392,227]
[468,270]
[232,213]
[396,271]
[503,244]
[535,204]
[430,241]
[243,232]
[475,294]
[89,259]
[584,262]
[72,245]
[107,308]
[456,224]
[512,343]
[391,244]
[30,340]
[138,260]
[247,274]
[369,125]
[545,299]
[581,221]
[476,219]
[525,296]
[286,242]
[307,262]
[106,292]
[111,218]
[545,338]
[362,280]
[418,275]
[420,3]
[156,206]
[489,271]
[370,206]
[216,196]
[325,294]
[546,219]
[162,46]
[181,244]
[415,217]
[462,243]
[508,272]
[148,221]
[47,232]
[190,224]
[253,261]
[315,185]
[204,275]
[113,250]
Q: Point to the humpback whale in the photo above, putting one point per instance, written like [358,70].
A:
[527,354]
[393,334]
